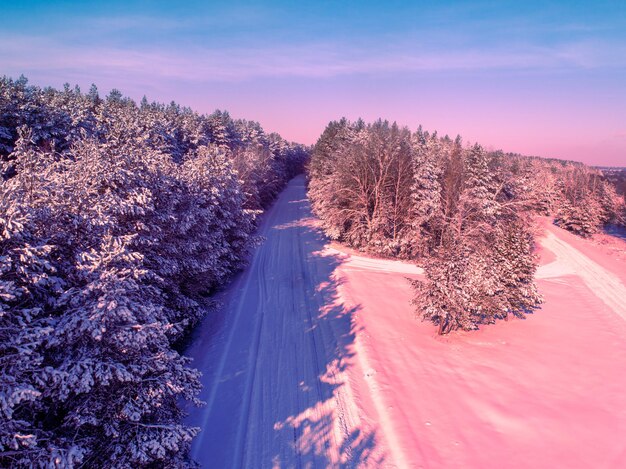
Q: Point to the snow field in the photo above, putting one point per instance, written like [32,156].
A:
[317,360]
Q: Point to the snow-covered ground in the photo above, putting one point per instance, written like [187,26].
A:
[275,358]
[317,360]
[571,261]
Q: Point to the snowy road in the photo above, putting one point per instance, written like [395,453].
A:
[275,357]
[570,261]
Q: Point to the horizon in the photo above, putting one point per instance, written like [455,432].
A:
[506,76]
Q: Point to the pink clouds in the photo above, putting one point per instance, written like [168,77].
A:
[524,98]
[321,59]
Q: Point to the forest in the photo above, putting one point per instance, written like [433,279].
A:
[462,212]
[117,222]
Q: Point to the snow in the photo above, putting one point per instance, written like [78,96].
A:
[542,392]
[316,359]
[570,261]
[351,262]
[275,359]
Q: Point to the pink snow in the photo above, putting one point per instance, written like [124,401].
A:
[547,391]
[315,359]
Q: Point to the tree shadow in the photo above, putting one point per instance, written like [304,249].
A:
[284,399]
[321,436]
[615,230]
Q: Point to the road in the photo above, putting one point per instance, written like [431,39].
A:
[571,261]
[274,357]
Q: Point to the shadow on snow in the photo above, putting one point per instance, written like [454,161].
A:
[282,400]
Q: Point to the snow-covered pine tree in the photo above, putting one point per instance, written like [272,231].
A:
[581,210]
[105,376]
[515,266]
[442,297]
[481,266]
[30,285]
[480,191]
[429,158]
[609,201]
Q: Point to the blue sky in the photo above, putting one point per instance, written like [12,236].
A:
[545,78]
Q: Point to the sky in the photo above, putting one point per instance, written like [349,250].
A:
[544,78]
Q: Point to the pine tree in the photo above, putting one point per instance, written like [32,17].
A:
[481,266]
[515,266]
[442,297]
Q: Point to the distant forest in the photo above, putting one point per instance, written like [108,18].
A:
[617,177]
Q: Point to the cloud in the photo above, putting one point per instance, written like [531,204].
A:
[28,54]
[112,24]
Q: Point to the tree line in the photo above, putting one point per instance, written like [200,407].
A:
[463,212]
[117,219]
